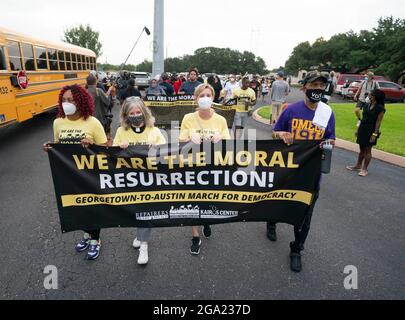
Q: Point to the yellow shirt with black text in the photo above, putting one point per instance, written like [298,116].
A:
[72,132]
[242,96]
[150,136]
[193,123]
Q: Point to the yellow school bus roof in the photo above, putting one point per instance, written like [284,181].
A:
[64,46]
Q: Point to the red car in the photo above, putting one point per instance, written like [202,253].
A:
[393,91]
[342,78]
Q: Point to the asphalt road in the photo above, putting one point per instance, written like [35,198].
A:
[357,221]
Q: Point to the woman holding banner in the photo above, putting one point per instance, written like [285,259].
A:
[137,128]
[75,124]
[204,124]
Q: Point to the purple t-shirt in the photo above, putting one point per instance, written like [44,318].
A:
[297,119]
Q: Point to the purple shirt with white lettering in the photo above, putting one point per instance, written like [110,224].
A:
[297,119]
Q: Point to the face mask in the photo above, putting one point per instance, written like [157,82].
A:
[136,121]
[68,108]
[205,102]
[314,95]
[366,78]
[367,100]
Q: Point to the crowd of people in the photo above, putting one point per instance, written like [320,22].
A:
[86,111]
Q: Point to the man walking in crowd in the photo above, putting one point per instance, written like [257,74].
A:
[255,85]
[296,123]
[230,86]
[246,99]
[130,91]
[368,85]
[278,95]
[102,104]
[189,86]
[166,85]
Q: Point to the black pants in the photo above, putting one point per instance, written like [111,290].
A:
[301,233]
[94,234]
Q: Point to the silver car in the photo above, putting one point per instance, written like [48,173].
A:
[142,79]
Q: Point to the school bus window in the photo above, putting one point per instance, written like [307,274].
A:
[61,56]
[3,65]
[79,63]
[74,61]
[53,59]
[83,63]
[68,59]
[41,58]
[14,56]
[28,54]
[88,62]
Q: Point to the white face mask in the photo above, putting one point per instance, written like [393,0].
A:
[367,100]
[68,108]
[205,102]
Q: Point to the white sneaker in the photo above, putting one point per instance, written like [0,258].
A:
[136,244]
[143,253]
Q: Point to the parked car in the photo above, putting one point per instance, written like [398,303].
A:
[341,80]
[142,79]
[393,91]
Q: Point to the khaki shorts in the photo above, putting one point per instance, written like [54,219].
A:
[275,111]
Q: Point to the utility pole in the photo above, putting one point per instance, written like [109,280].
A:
[158,39]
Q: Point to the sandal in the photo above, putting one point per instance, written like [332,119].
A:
[363,173]
[353,168]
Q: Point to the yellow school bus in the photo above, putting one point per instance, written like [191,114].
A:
[33,71]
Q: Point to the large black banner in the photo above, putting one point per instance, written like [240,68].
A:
[100,187]
[167,109]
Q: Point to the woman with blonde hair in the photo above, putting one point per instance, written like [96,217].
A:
[138,128]
[204,124]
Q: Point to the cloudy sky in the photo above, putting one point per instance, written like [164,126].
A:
[270,29]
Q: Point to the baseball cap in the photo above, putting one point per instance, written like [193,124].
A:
[314,75]
[280,74]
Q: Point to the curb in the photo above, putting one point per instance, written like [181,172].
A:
[350,146]
[258,118]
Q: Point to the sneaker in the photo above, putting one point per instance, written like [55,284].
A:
[195,246]
[94,250]
[207,231]
[271,232]
[136,244]
[143,253]
[83,244]
[295,262]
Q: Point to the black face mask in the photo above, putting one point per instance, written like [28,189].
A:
[314,95]
[136,121]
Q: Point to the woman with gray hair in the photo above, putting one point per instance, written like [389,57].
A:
[138,128]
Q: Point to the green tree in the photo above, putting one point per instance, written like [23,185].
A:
[84,36]
[145,66]
[381,49]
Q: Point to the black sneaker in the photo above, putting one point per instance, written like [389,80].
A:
[207,231]
[195,246]
[82,245]
[295,262]
[94,250]
[271,232]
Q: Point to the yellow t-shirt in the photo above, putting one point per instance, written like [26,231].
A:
[72,132]
[192,123]
[151,135]
[242,96]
